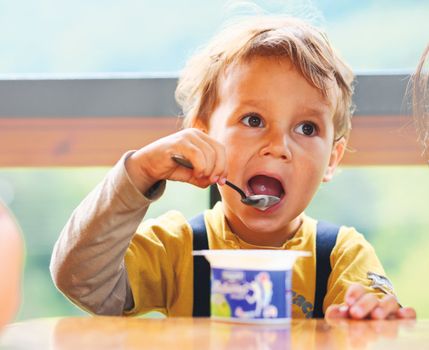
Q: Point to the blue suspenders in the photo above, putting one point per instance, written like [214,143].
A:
[201,306]
[326,238]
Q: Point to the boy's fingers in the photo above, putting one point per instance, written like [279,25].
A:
[337,311]
[211,159]
[203,156]
[387,306]
[354,293]
[214,154]
[364,306]
[406,313]
[197,157]
[219,169]
[202,183]
[332,311]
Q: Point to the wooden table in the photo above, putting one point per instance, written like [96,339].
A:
[187,333]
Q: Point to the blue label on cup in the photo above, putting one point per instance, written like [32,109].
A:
[251,295]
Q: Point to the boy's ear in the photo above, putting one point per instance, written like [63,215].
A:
[337,153]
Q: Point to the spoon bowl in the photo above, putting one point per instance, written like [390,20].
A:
[259,201]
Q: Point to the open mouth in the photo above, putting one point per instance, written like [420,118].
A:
[267,185]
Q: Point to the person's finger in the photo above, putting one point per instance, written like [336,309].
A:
[388,305]
[194,154]
[354,293]
[363,307]
[214,153]
[205,159]
[337,311]
[406,313]
[219,172]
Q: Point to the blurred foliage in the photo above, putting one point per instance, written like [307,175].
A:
[387,204]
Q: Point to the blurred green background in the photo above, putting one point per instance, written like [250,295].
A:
[388,204]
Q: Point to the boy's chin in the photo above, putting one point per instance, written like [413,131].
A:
[260,224]
[262,236]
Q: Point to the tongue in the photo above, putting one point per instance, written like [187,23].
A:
[265,185]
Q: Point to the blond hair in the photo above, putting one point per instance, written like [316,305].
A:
[420,82]
[306,47]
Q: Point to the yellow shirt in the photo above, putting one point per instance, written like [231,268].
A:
[159,263]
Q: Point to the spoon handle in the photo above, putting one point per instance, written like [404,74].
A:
[179,159]
[238,189]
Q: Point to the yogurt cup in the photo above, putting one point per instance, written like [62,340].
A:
[251,286]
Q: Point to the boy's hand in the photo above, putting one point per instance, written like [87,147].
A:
[153,162]
[362,305]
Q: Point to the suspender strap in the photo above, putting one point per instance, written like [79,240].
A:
[201,306]
[326,237]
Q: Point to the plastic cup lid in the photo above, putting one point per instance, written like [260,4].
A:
[252,259]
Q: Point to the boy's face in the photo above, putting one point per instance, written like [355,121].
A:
[278,134]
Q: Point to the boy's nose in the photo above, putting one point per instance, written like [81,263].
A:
[277,145]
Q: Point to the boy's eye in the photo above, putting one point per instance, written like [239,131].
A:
[253,120]
[306,128]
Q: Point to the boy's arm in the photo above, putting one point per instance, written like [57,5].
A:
[353,260]
[87,263]
[88,259]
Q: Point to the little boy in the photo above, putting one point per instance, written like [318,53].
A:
[267,104]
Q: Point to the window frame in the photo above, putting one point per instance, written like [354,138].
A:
[93,120]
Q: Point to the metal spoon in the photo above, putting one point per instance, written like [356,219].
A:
[260,201]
